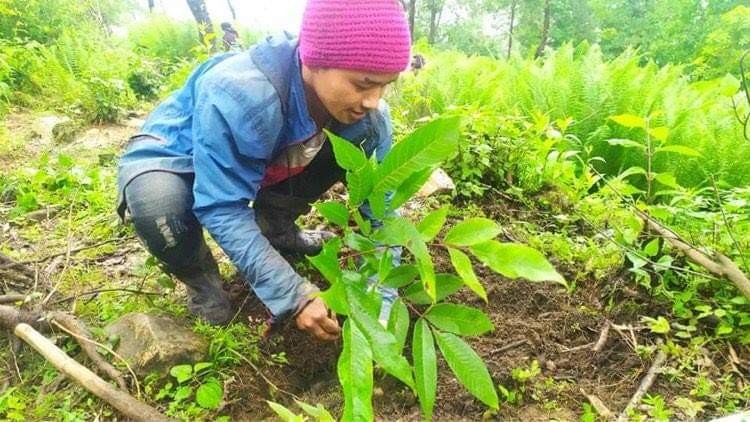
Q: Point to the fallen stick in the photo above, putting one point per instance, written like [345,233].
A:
[599,405]
[509,346]
[67,252]
[120,400]
[602,338]
[646,383]
[12,298]
[721,266]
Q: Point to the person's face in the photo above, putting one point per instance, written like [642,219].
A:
[348,95]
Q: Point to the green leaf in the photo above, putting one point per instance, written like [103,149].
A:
[358,242]
[679,149]
[667,179]
[354,370]
[318,412]
[659,325]
[285,414]
[385,348]
[410,186]
[364,225]
[181,372]
[327,261]
[427,146]
[516,260]
[401,276]
[348,156]
[660,133]
[468,367]
[459,319]
[425,265]
[627,143]
[463,267]
[430,226]
[398,323]
[335,298]
[334,212]
[472,231]
[359,184]
[201,366]
[651,248]
[376,199]
[182,392]
[425,367]
[446,285]
[629,120]
[632,171]
[208,395]
[395,231]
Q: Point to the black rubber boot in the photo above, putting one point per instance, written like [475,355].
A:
[205,296]
[276,215]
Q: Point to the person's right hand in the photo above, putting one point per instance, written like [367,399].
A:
[315,319]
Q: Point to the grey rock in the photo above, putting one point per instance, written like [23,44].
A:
[155,343]
[57,129]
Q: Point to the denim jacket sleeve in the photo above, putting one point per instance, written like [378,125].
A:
[231,149]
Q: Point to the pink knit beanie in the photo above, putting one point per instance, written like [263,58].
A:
[368,35]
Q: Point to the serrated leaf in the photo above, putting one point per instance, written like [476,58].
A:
[426,268]
[445,284]
[181,372]
[284,414]
[401,276]
[629,120]
[679,149]
[430,226]
[376,200]
[334,212]
[627,143]
[632,171]
[398,323]
[327,261]
[459,319]
[468,367]
[427,146]
[472,231]
[358,242]
[385,347]
[515,260]
[425,367]
[462,264]
[208,395]
[354,370]
[318,412]
[364,225]
[410,186]
[348,156]
[660,133]
[395,231]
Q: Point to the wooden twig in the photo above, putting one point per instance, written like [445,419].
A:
[263,376]
[97,291]
[721,266]
[71,326]
[12,298]
[599,405]
[120,400]
[646,383]
[602,338]
[509,346]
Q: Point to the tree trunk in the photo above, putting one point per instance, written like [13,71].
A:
[231,9]
[545,31]
[412,15]
[510,28]
[150,6]
[436,9]
[200,13]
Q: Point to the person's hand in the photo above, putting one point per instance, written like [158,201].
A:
[316,320]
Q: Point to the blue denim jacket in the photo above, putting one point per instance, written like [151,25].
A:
[233,116]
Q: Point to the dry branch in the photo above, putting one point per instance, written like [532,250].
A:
[720,266]
[602,338]
[120,400]
[599,405]
[646,383]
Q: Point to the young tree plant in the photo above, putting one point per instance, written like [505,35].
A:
[363,261]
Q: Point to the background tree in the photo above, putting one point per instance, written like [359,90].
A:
[205,27]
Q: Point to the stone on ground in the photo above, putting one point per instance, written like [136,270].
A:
[155,343]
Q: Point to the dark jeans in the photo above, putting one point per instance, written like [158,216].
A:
[160,206]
